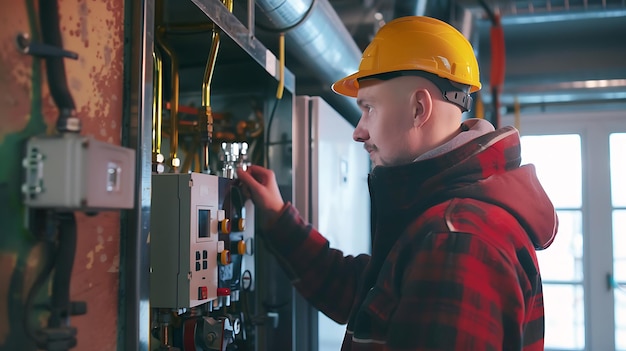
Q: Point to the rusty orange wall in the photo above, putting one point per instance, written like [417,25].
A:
[94,29]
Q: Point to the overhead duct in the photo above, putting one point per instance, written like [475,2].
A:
[317,37]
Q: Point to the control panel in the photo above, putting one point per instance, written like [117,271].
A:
[202,262]
[184,240]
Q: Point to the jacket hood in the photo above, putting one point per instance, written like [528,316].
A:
[485,168]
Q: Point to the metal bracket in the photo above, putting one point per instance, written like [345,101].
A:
[33,169]
[41,50]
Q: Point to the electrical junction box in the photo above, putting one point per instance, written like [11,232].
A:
[184,240]
[75,172]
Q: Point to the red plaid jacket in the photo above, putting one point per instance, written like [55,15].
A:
[453,264]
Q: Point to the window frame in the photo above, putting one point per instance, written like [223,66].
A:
[594,128]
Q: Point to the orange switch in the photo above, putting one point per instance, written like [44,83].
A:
[225,257]
[225,226]
[241,224]
[241,247]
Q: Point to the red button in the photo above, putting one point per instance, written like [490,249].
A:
[203,293]
[223,292]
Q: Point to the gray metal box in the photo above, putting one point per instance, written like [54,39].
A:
[77,172]
[183,240]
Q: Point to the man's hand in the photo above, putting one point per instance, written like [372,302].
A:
[261,184]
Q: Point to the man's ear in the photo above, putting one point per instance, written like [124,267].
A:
[422,106]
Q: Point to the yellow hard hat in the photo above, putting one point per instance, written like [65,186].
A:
[416,43]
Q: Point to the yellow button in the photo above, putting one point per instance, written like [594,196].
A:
[241,247]
[225,257]
[225,226]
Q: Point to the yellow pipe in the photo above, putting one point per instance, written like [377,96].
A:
[479,107]
[197,162]
[155,72]
[210,68]
[157,106]
[228,4]
[190,154]
[210,65]
[207,119]
[175,162]
[281,71]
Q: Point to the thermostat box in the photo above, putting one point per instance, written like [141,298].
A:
[77,172]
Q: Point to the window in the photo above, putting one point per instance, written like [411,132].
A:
[617,151]
[557,159]
[581,162]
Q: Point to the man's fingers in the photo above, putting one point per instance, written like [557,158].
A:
[245,177]
[261,184]
[253,182]
[259,173]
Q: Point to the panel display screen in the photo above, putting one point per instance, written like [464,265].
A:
[203,223]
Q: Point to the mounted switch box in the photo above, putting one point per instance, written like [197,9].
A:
[75,172]
[183,240]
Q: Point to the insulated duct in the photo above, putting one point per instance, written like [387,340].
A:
[318,38]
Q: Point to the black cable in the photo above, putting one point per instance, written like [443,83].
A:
[58,233]
[237,201]
[267,134]
[55,67]
[495,96]
[304,17]
[41,220]
[64,262]
[490,13]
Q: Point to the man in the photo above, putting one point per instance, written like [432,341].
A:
[455,219]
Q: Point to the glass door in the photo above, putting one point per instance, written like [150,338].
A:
[581,162]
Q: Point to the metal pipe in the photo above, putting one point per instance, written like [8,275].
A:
[134,317]
[157,108]
[281,60]
[210,68]
[251,18]
[191,154]
[319,40]
[562,16]
[174,161]
[206,122]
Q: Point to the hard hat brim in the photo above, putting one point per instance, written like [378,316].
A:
[347,86]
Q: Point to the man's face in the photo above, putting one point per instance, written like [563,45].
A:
[387,126]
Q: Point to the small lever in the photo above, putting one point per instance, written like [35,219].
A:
[42,50]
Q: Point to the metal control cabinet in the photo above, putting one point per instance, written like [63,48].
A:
[183,240]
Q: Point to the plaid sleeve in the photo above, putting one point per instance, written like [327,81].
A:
[324,276]
[453,295]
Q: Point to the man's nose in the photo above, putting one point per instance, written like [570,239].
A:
[360,133]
